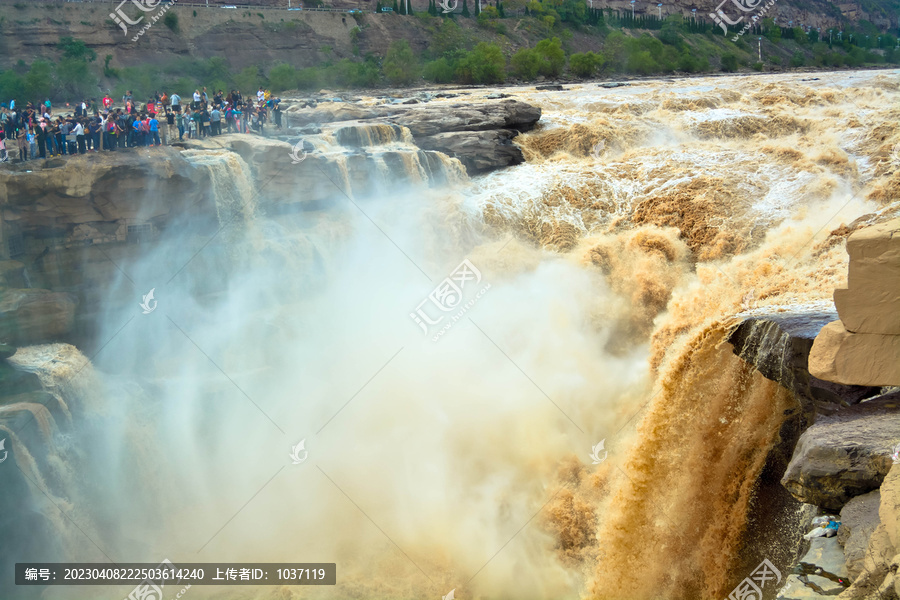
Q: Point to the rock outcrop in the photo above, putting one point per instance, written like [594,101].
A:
[863,346]
[29,316]
[880,578]
[845,454]
[859,518]
[778,340]
[92,198]
[479,134]
[820,574]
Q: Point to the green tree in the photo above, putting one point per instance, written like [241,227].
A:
[614,52]
[729,62]
[248,79]
[400,64]
[11,86]
[77,49]
[448,38]
[484,64]
[525,64]
[171,20]
[74,78]
[38,81]
[283,77]
[585,64]
[771,30]
[553,59]
[439,71]
[488,13]
[465,9]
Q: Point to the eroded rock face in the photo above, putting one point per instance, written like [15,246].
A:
[845,357]
[777,341]
[846,454]
[871,301]
[479,151]
[29,316]
[879,576]
[119,188]
[863,347]
[479,134]
[859,518]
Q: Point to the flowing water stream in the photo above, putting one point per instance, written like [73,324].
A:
[643,219]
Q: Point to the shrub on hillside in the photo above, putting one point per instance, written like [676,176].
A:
[484,64]
[729,62]
[585,64]
[171,20]
[553,59]
[525,64]
[400,64]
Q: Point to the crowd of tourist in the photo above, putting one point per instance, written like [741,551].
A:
[35,131]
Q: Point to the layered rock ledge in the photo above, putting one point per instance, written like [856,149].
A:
[863,345]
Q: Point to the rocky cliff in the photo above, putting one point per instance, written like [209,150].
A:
[845,438]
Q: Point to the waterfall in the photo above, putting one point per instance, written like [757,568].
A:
[232,182]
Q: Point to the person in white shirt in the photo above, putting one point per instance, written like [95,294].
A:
[176,103]
[260,95]
[79,137]
[196,100]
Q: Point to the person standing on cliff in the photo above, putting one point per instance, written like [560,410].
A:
[79,136]
[215,119]
[41,140]
[153,124]
[22,139]
[170,126]
[176,103]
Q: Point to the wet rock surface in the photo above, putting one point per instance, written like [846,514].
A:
[846,454]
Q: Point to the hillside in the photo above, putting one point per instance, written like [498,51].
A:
[224,47]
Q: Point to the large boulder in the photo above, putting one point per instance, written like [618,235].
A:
[506,114]
[29,316]
[845,357]
[777,340]
[871,301]
[479,151]
[863,346]
[846,454]
[880,578]
[859,518]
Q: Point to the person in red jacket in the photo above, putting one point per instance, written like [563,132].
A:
[107,101]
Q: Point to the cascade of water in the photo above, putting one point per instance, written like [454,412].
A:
[233,183]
